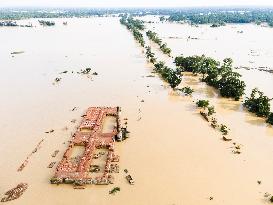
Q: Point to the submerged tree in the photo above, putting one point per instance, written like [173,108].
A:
[187,90]
[173,78]
[169,75]
[258,103]
[165,49]
[135,26]
[150,55]
[211,110]
[221,77]
[154,37]
[224,129]
[202,103]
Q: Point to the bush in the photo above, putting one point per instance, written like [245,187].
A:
[150,55]
[258,103]
[158,66]
[211,110]
[187,90]
[214,122]
[202,103]
[224,129]
[165,49]
[174,79]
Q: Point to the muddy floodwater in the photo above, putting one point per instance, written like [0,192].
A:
[174,156]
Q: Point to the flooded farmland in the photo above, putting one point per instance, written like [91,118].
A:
[174,155]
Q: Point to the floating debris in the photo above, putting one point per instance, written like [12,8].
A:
[214,123]
[96,156]
[24,164]
[122,135]
[236,152]
[74,108]
[226,139]
[64,72]
[73,120]
[51,164]
[94,168]
[130,179]
[85,71]
[55,153]
[50,131]
[237,148]
[79,186]
[46,23]
[114,168]
[15,193]
[114,190]
[57,80]
[17,52]
[260,68]
[204,115]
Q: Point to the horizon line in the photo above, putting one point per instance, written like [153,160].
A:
[136,7]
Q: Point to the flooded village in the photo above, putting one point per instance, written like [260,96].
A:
[127,107]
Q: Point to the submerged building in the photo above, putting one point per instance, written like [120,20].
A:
[90,136]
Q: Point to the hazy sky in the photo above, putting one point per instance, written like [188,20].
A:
[133,3]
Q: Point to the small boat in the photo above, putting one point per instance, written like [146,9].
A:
[130,179]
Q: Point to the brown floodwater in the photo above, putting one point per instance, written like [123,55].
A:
[174,156]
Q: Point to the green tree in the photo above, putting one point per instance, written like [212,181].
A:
[258,103]
[202,103]
[211,110]
[174,79]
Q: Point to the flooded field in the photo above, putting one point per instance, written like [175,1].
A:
[174,156]
[247,44]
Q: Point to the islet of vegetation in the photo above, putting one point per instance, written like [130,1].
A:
[259,104]
[220,76]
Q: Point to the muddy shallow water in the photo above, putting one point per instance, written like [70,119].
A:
[247,44]
[174,156]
